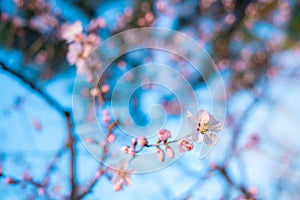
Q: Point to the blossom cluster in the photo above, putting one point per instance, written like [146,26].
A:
[204,128]
[81,46]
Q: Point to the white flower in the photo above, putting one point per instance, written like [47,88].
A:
[121,176]
[204,126]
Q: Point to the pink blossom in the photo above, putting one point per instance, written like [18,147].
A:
[185,144]
[204,126]
[164,134]
[160,155]
[69,32]
[170,152]
[121,176]
[143,141]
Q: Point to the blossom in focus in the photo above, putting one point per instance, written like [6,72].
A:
[69,32]
[204,126]
[185,144]
[121,176]
[163,134]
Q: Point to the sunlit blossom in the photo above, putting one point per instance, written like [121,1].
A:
[121,176]
[204,126]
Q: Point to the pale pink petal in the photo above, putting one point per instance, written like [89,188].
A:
[197,137]
[192,120]
[203,116]
[214,125]
[210,139]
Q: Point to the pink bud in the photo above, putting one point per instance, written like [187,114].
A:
[111,138]
[1,171]
[106,119]
[253,191]
[36,124]
[131,151]
[133,142]
[26,177]
[105,112]
[185,144]
[163,134]
[10,181]
[125,149]
[213,165]
[170,152]
[105,88]
[143,141]
[41,190]
[160,155]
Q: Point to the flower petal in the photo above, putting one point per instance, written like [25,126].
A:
[210,139]
[215,125]
[192,120]
[197,137]
[203,116]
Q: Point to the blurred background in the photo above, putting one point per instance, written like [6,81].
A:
[254,44]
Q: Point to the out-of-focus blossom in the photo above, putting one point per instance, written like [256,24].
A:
[96,24]
[18,22]
[121,176]
[185,144]
[69,32]
[36,124]
[80,50]
[204,126]
[164,134]
[111,138]
[125,148]
[95,92]
[74,55]
[19,3]
[43,23]
[10,181]
[253,141]
[105,116]
[160,155]
[105,88]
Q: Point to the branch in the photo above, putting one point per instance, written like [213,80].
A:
[60,109]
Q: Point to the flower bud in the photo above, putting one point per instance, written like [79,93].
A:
[170,152]
[125,149]
[143,141]
[133,142]
[160,155]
